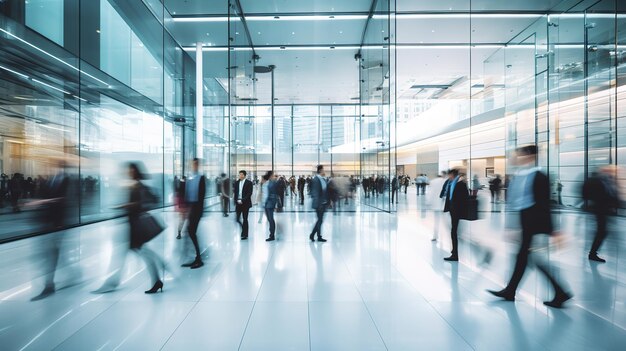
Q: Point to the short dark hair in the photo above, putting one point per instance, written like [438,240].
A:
[244,173]
[527,150]
[454,171]
[319,168]
[196,160]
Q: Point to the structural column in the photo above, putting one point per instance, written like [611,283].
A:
[199,103]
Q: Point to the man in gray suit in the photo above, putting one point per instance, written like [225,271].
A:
[319,194]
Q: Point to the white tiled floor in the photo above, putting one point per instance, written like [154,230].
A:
[377,284]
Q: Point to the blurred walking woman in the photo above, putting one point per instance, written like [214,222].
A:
[143,228]
[270,200]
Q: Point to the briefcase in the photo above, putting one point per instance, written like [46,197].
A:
[472,208]
[148,227]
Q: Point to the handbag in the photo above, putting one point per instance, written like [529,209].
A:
[148,227]
[471,208]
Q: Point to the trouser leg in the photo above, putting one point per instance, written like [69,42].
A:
[520,263]
[600,233]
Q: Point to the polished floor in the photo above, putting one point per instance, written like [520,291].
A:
[379,283]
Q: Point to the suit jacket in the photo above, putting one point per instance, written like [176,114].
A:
[537,219]
[272,194]
[458,205]
[603,199]
[198,206]
[246,196]
[318,194]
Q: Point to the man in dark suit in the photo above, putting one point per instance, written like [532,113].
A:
[301,184]
[243,201]
[529,193]
[195,191]
[319,195]
[456,203]
[600,190]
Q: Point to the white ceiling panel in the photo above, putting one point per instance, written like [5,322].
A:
[476,5]
[306,32]
[209,33]
[457,30]
[309,76]
[294,6]
[196,7]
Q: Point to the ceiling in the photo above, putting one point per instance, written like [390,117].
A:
[432,44]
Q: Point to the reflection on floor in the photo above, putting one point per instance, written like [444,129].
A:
[378,283]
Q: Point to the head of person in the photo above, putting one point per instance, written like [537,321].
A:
[453,173]
[242,175]
[134,171]
[320,170]
[269,175]
[609,171]
[526,155]
[195,165]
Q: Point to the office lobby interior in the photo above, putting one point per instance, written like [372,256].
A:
[119,118]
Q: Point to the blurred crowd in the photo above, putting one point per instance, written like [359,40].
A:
[526,193]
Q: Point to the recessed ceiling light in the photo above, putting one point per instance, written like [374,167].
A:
[433,31]
[340,32]
[258,33]
[237,33]
[293,33]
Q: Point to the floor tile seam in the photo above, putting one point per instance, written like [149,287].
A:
[501,313]
[56,347]
[195,305]
[363,300]
[308,297]
[267,267]
[533,302]
[395,267]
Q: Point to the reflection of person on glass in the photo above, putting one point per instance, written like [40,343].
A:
[55,210]
[529,193]
[139,198]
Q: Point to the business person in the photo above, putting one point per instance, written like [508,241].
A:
[270,195]
[600,190]
[243,202]
[195,191]
[529,193]
[456,203]
[319,195]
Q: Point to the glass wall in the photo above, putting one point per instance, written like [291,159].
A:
[88,86]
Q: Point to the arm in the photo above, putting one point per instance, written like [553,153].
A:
[202,189]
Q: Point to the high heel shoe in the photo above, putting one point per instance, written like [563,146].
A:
[158,285]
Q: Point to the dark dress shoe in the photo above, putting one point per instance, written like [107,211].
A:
[197,264]
[47,291]
[158,285]
[312,237]
[178,236]
[321,240]
[595,257]
[453,258]
[271,238]
[244,237]
[558,300]
[503,294]
[188,264]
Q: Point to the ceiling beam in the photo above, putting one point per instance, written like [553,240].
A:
[242,15]
[369,18]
